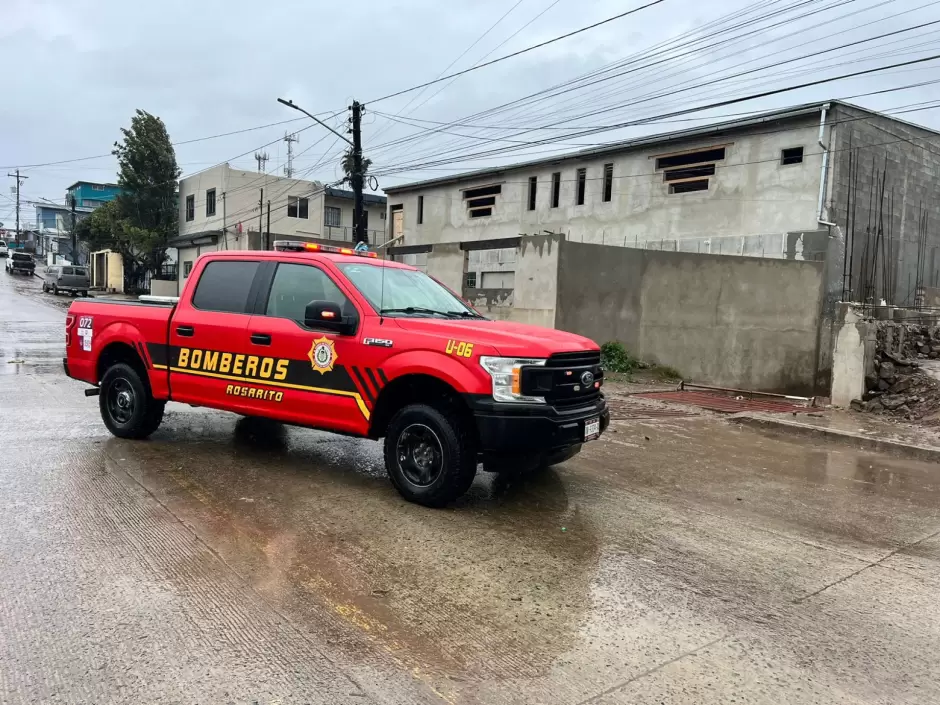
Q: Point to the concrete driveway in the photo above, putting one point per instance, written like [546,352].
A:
[677,560]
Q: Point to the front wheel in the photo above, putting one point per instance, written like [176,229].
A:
[430,454]
[55,290]
[45,289]
[127,407]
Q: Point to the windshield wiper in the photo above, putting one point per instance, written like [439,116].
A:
[431,312]
[415,309]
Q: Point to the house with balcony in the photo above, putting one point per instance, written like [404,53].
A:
[230,209]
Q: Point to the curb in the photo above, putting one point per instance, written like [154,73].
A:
[855,440]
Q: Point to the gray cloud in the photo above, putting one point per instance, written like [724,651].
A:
[76,71]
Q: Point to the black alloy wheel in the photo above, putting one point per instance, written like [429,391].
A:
[420,455]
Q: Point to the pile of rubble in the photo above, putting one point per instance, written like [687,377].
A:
[910,341]
[900,388]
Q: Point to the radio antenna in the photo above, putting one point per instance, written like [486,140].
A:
[382,295]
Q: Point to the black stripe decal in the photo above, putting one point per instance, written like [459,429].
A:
[143,355]
[157,353]
[382,376]
[362,383]
[375,382]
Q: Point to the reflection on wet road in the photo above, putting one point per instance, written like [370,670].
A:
[231,560]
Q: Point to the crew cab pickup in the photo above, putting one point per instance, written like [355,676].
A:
[345,342]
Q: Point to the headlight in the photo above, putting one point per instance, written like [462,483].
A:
[506,373]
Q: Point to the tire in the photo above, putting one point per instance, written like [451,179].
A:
[442,439]
[55,290]
[45,289]
[127,406]
[84,294]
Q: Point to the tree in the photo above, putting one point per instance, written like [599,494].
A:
[145,215]
[348,164]
[102,229]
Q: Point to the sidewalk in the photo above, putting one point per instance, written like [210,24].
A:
[854,429]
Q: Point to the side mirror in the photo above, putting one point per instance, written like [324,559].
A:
[326,315]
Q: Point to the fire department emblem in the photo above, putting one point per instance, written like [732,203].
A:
[322,355]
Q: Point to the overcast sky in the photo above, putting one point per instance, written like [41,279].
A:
[77,69]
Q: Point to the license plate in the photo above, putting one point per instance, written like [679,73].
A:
[592,429]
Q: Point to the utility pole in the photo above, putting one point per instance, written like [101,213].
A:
[260,218]
[18,182]
[357,177]
[262,159]
[267,234]
[290,139]
[74,249]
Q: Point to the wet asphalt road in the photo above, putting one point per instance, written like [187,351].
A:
[675,561]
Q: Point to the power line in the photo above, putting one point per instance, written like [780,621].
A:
[711,106]
[517,53]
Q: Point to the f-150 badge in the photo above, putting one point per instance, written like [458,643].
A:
[322,355]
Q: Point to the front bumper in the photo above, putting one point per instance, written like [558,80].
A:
[517,428]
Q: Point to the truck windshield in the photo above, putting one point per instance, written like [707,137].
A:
[405,292]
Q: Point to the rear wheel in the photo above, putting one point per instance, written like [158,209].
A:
[127,407]
[55,290]
[45,289]
[430,454]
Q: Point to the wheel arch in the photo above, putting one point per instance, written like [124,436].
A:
[416,387]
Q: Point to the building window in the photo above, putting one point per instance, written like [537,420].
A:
[332,216]
[481,201]
[608,182]
[556,188]
[582,185]
[533,187]
[471,280]
[700,156]
[689,186]
[420,210]
[794,155]
[190,208]
[97,187]
[689,171]
[210,203]
[297,207]
[187,269]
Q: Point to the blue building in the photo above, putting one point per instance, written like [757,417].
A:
[89,194]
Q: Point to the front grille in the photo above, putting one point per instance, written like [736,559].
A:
[559,381]
[580,400]
[589,358]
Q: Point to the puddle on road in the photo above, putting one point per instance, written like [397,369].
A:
[315,522]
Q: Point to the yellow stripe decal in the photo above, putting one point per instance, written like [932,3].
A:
[159,367]
[268,383]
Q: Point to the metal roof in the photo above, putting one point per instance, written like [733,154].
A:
[714,129]
[91,183]
[373,198]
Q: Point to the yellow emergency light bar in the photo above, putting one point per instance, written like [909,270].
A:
[297,246]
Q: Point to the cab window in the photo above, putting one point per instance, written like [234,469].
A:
[224,286]
[296,285]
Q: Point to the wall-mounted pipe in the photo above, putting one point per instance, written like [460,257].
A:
[824,173]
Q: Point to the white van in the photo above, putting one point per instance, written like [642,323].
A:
[4,250]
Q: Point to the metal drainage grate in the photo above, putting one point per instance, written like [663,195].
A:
[723,403]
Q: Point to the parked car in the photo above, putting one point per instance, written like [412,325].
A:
[20,263]
[64,277]
[4,250]
[333,339]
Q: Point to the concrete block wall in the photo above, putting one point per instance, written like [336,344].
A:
[726,320]
[913,177]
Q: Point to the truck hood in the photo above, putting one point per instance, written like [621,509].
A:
[508,338]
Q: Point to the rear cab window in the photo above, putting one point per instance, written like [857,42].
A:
[225,286]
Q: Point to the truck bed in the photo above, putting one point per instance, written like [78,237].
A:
[94,325]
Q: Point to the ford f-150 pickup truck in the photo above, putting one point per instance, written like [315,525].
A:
[343,341]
